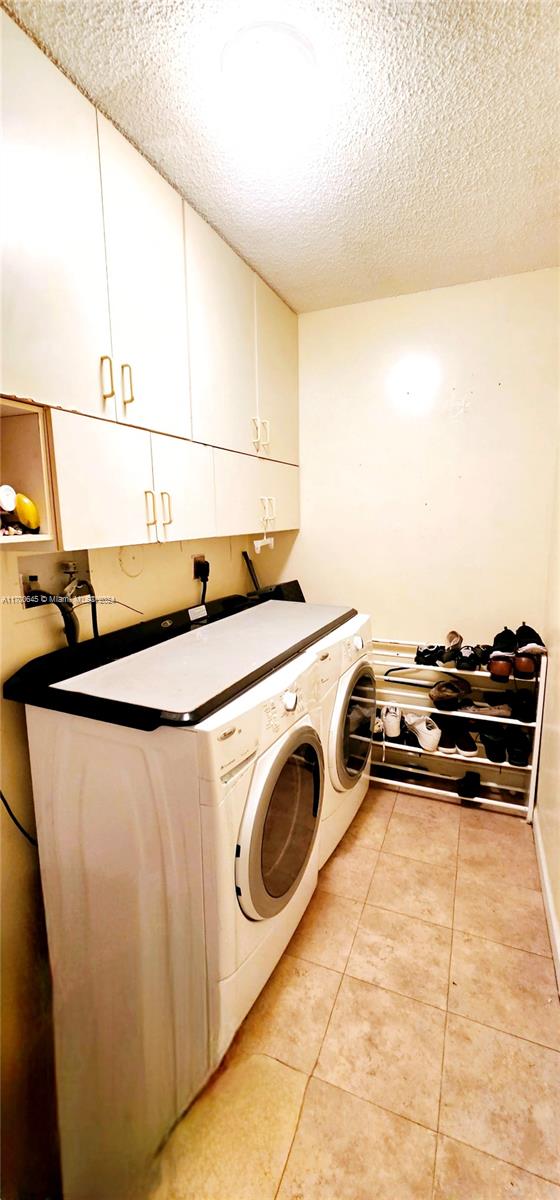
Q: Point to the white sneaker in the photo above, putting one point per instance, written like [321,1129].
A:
[426,730]
[391,717]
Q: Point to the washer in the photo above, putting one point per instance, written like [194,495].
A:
[178,780]
[348,708]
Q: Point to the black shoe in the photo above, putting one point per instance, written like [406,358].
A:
[468,787]
[518,748]
[447,741]
[428,656]
[467,659]
[494,741]
[527,638]
[505,641]
[407,737]
[524,706]
[483,654]
[466,744]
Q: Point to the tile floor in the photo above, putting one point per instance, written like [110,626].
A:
[407,1045]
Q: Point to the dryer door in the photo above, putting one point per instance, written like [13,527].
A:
[280,823]
[351,729]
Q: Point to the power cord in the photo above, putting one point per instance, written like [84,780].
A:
[202,573]
[11,814]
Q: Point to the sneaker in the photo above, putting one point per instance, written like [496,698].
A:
[505,641]
[524,706]
[467,659]
[426,730]
[447,741]
[447,693]
[466,744]
[494,742]
[391,717]
[377,732]
[518,748]
[449,652]
[529,639]
[483,653]
[408,738]
[428,656]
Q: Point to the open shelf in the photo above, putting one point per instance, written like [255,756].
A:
[24,465]
[462,758]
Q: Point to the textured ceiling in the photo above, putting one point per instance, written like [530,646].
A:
[424,153]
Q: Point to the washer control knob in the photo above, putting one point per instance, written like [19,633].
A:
[289,700]
[358,642]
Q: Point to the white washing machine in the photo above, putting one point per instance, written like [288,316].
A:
[347,682]
[178,790]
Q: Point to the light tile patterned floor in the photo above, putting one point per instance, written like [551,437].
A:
[407,1045]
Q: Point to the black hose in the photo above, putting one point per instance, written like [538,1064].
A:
[11,814]
[36,597]
[85,583]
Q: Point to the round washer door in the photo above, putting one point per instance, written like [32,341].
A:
[352,726]
[280,824]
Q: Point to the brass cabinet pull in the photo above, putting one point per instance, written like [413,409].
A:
[107,394]
[151,518]
[131,397]
[169,519]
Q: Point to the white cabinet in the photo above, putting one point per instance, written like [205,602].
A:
[221,309]
[184,489]
[55,319]
[147,293]
[103,483]
[277,375]
[279,494]
[253,495]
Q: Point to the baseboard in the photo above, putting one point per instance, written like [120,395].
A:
[552,917]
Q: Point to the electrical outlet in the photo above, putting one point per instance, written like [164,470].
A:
[197,558]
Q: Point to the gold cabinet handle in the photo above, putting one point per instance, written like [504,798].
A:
[107,393]
[169,519]
[130,398]
[151,517]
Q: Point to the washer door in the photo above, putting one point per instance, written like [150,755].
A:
[351,729]
[280,824]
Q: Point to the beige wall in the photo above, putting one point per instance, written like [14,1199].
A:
[547,818]
[155,579]
[431,517]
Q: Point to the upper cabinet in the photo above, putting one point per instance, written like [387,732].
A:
[146,273]
[221,307]
[55,319]
[277,375]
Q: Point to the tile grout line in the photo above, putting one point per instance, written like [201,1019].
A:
[446,1012]
[506,1161]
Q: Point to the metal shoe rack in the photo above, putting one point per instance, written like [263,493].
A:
[504,788]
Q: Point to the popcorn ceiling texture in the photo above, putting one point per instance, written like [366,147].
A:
[435,160]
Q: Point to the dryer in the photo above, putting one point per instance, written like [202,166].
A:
[347,681]
[178,778]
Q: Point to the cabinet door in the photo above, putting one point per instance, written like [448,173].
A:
[238,505]
[221,306]
[277,375]
[55,319]
[279,485]
[184,486]
[103,483]
[147,292]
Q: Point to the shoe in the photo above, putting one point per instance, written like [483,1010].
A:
[447,693]
[447,742]
[483,653]
[524,706]
[505,641]
[449,652]
[500,665]
[467,659]
[468,787]
[518,748]
[466,744]
[426,730]
[529,639]
[428,656]
[377,733]
[494,742]
[408,738]
[391,717]
[525,665]
[482,709]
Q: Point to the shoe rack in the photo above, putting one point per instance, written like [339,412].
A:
[503,787]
